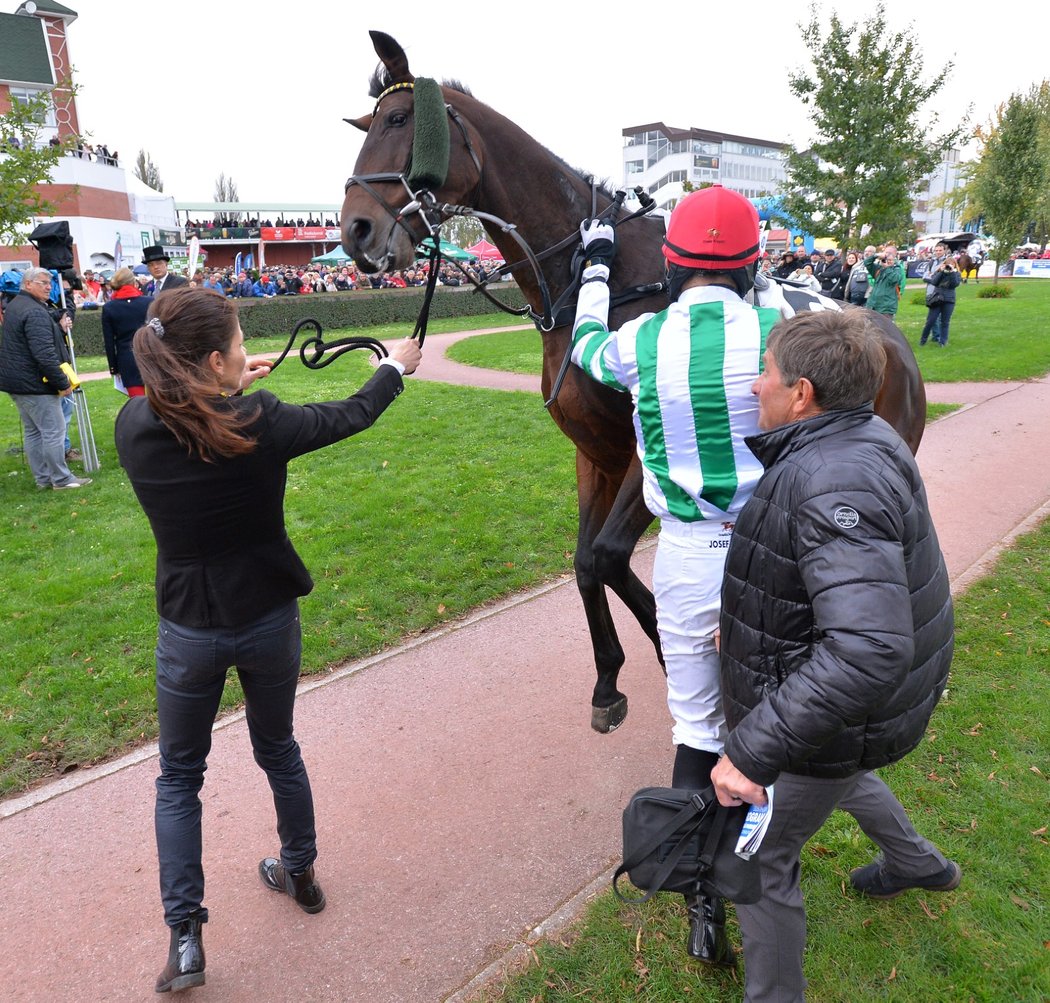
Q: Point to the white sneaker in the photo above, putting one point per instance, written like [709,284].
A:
[77,482]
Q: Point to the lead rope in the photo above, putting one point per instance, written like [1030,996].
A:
[312,351]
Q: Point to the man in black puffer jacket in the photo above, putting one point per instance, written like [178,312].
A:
[31,355]
[837,631]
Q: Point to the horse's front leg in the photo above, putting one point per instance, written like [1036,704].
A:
[596,494]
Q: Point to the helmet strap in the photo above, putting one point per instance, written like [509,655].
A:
[742,278]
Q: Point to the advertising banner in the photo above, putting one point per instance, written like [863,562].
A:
[300,233]
[1035,268]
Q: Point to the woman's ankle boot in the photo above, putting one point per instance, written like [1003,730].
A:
[185,967]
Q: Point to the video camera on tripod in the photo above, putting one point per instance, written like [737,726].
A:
[54,244]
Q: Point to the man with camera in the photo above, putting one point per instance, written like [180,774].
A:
[31,357]
[941,278]
[887,281]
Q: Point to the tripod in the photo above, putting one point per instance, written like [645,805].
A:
[80,406]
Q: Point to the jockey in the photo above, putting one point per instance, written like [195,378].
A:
[689,370]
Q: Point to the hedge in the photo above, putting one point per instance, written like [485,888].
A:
[355,309]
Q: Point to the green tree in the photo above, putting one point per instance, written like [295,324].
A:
[26,162]
[875,138]
[226,191]
[146,171]
[462,231]
[1009,180]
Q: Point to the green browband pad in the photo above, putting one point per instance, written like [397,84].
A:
[430,145]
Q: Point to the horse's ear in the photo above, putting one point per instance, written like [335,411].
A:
[361,123]
[392,55]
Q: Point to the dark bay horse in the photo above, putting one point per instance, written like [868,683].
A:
[498,169]
[968,264]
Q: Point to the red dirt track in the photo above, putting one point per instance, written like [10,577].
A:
[462,799]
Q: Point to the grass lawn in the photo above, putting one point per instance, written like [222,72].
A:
[990,339]
[977,787]
[402,527]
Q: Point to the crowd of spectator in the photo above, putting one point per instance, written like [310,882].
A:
[202,227]
[85,151]
[292,280]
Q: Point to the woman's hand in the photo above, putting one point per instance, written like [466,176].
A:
[408,353]
[257,368]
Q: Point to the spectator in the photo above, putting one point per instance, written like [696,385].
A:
[941,278]
[31,356]
[156,259]
[836,632]
[787,264]
[264,287]
[92,289]
[887,281]
[805,277]
[829,272]
[122,316]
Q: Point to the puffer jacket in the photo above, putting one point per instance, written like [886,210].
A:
[837,623]
[32,350]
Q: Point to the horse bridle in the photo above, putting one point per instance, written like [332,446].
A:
[432,213]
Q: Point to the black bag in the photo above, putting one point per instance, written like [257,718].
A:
[685,841]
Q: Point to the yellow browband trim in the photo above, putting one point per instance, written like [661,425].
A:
[405,85]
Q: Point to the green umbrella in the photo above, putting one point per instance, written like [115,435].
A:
[334,257]
[448,250]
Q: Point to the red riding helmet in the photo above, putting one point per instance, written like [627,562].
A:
[714,228]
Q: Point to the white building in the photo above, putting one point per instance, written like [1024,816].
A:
[101,201]
[927,214]
[661,159]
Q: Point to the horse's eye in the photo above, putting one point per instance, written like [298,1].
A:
[397,118]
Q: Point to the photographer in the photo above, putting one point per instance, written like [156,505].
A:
[887,281]
[941,280]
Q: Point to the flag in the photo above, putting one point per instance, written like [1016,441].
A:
[237,263]
[118,253]
[249,261]
[194,255]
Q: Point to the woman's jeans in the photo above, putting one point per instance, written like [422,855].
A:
[938,317]
[191,672]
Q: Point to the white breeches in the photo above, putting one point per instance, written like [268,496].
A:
[687,583]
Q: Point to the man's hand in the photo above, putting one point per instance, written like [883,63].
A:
[599,242]
[67,392]
[408,353]
[733,788]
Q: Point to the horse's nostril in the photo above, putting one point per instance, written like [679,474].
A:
[358,230]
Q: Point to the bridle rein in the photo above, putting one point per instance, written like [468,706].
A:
[422,202]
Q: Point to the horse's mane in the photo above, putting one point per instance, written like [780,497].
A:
[381,80]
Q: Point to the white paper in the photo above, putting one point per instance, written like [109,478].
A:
[754,828]
[118,384]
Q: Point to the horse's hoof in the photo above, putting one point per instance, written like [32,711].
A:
[606,719]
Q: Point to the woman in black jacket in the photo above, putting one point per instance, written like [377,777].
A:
[209,467]
[122,316]
[942,279]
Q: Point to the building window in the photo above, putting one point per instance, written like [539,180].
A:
[23,95]
[634,166]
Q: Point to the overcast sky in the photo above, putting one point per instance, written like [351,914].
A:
[259,91]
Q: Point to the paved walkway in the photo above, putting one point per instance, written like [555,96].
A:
[463,801]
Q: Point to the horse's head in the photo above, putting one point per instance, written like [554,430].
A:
[406,158]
